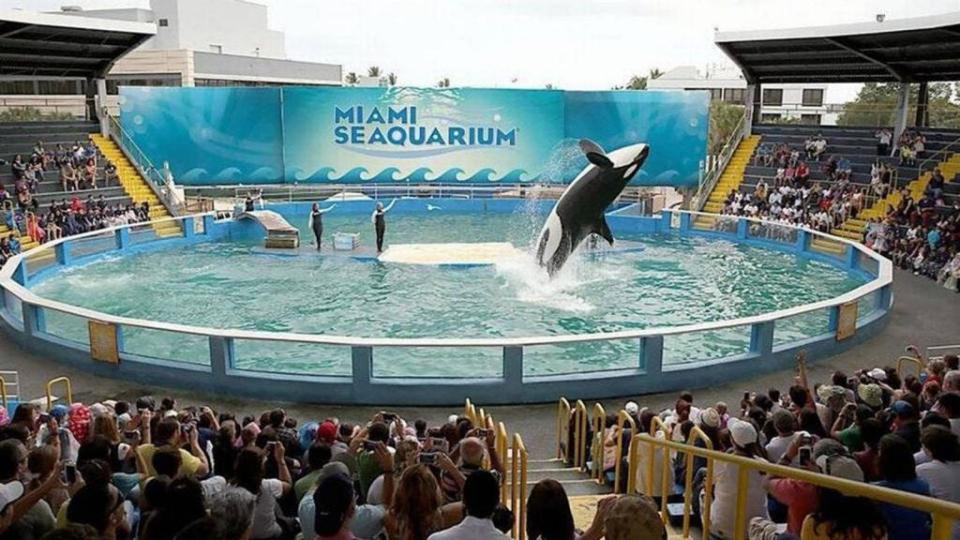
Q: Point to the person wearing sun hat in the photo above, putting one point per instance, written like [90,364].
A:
[723,509]
[871,394]
[9,494]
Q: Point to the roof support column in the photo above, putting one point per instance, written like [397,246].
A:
[923,106]
[751,102]
[101,105]
[900,120]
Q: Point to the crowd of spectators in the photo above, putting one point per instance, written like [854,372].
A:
[22,213]
[149,470]
[921,236]
[870,426]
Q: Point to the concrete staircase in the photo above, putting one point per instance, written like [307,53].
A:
[136,186]
[730,179]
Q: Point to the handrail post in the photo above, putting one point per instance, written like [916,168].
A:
[742,227]
[761,337]
[513,371]
[122,237]
[34,319]
[362,359]
[208,221]
[623,418]
[651,355]
[189,230]
[222,355]
[62,252]
[803,241]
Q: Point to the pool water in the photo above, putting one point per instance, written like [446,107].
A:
[672,281]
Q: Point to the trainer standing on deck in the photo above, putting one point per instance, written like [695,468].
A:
[380,222]
[316,222]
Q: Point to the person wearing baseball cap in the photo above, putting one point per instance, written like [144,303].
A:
[723,509]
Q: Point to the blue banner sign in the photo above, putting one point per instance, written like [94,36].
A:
[354,135]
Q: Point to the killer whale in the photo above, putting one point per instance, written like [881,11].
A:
[579,211]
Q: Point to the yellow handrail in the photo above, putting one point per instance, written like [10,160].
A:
[469,410]
[3,391]
[944,512]
[697,434]
[623,417]
[911,360]
[481,419]
[599,428]
[656,424]
[580,435]
[519,486]
[563,427]
[502,445]
[51,383]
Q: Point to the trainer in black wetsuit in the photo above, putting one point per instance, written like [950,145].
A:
[380,223]
[316,222]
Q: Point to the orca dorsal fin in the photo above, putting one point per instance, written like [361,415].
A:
[595,154]
[601,228]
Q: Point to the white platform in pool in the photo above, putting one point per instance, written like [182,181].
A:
[482,253]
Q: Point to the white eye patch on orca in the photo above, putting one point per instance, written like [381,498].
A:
[629,172]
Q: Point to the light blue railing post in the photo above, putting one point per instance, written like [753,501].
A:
[513,370]
[362,359]
[803,241]
[651,355]
[684,223]
[761,337]
[884,296]
[62,250]
[742,226]
[20,273]
[853,257]
[834,319]
[208,224]
[34,319]
[222,353]
[665,219]
[122,237]
[189,231]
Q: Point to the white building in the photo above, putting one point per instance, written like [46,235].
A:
[198,43]
[780,102]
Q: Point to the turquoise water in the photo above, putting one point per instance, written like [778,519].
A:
[238,285]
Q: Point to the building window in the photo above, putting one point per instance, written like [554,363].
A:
[770,118]
[114,82]
[773,96]
[54,87]
[812,97]
[163,23]
[216,49]
[733,95]
[810,119]
[17,87]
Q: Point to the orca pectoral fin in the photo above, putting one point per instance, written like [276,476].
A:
[603,230]
[595,154]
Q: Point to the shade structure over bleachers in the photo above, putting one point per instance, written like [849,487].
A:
[55,45]
[906,50]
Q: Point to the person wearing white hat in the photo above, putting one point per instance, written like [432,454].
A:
[723,510]
[9,494]
[24,515]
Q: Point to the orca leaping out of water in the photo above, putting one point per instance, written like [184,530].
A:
[579,212]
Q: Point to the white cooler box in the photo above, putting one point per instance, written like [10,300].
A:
[346,241]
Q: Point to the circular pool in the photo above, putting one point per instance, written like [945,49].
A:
[669,280]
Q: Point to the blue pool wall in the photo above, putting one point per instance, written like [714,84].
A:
[512,387]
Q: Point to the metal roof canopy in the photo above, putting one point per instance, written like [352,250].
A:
[54,45]
[905,50]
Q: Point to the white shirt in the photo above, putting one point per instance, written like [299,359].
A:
[470,528]
[778,447]
[944,480]
[264,519]
[723,510]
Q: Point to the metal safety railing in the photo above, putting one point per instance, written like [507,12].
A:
[156,179]
[944,513]
[623,419]
[909,360]
[580,423]
[514,459]
[563,429]
[67,386]
[599,423]
[715,167]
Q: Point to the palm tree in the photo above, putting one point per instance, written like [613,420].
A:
[637,83]
[549,86]
[392,78]
[655,73]
[351,78]
[443,83]
[373,71]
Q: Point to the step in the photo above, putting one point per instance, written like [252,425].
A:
[847,234]
[826,246]
[560,474]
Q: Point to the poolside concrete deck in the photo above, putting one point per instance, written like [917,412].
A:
[924,313]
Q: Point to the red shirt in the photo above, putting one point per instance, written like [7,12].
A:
[800,497]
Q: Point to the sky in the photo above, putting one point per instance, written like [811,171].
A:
[571,44]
